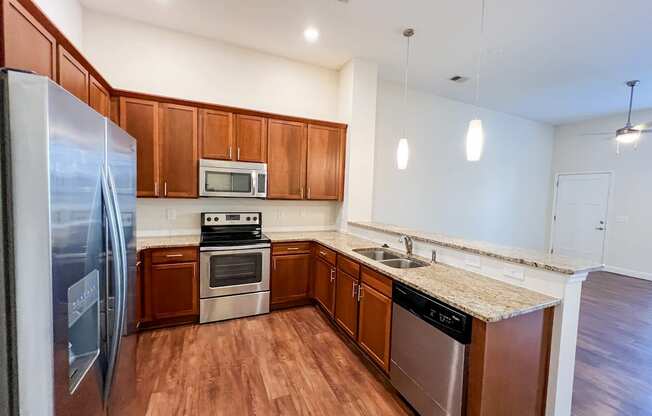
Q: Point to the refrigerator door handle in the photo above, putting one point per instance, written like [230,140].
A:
[118,270]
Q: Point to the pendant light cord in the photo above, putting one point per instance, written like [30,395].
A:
[479,58]
[631,99]
[405,86]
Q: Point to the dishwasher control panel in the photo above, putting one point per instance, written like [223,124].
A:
[449,320]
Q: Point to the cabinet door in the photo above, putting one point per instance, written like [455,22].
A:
[139,118]
[325,162]
[290,278]
[346,303]
[27,45]
[324,279]
[216,134]
[98,97]
[174,290]
[251,138]
[179,168]
[374,324]
[72,75]
[286,167]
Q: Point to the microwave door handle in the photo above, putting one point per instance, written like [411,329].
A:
[117,272]
[254,183]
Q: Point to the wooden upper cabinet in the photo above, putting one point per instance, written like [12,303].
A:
[286,167]
[98,97]
[217,140]
[375,324]
[250,138]
[179,168]
[325,162]
[27,45]
[139,118]
[323,285]
[72,75]
[346,303]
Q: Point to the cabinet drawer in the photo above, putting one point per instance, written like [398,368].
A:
[381,283]
[348,266]
[326,254]
[174,255]
[291,248]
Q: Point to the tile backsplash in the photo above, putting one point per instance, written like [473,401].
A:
[160,217]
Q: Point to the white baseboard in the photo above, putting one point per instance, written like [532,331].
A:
[627,272]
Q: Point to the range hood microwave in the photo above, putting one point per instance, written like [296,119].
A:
[220,178]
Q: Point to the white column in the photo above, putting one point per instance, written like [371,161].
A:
[357,107]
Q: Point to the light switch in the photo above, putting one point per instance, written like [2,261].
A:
[171,214]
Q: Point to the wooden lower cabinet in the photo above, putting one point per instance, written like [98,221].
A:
[346,303]
[375,324]
[324,285]
[170,290]
[290,280]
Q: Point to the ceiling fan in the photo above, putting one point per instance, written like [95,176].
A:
[629,134]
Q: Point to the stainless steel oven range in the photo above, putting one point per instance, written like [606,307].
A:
[234,266]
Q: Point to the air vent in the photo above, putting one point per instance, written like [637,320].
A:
[459,79]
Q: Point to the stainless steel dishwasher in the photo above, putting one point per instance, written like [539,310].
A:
[429,348]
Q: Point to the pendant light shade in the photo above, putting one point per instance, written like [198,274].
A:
[402,154]
[474,141]
[629,137]
[403,150]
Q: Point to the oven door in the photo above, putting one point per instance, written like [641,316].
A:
[231,271]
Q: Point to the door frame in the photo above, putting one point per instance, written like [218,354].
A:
[553,212]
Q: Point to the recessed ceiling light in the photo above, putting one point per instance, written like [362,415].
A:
[311,34]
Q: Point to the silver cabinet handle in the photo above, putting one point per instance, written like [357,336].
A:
[174,255]
[165,187]
[323,253]
[230,152]
[274,263]
[359,293]
[292,248]
[308,192]
[332,275]
[156,188]
[355,284]
[238,154]
[301,192]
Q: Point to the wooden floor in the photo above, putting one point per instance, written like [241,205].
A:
[613,372]
[286,363]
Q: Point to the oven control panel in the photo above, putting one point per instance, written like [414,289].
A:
[231,218]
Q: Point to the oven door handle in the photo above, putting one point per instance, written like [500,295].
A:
[235,248]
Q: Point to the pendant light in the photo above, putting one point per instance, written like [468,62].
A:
[475,133]
[403,150]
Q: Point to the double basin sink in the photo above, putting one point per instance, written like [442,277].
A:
[390,258]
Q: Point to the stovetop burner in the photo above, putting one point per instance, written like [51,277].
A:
[221,229]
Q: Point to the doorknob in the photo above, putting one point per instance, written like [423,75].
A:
[599,228]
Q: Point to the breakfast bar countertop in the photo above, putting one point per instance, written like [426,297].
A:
[485,298]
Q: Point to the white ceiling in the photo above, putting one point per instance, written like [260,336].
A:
[548,60]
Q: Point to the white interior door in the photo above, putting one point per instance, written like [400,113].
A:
[580,218]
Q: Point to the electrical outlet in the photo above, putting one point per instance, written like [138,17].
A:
[171,214]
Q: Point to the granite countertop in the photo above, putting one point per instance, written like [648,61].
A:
[482,297]
[532,258]
[144,243]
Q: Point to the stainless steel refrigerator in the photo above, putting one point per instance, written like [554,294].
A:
[68,254]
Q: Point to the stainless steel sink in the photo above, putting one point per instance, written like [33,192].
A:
[378,254]
[390,258]
[404,263]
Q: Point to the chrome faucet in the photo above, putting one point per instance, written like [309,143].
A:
[407,240]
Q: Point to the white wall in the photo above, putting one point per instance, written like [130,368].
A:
[139,57]
[66,16]
[502,199]
[144,58]
[629,224]
[358,86]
